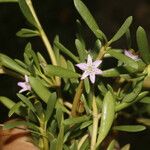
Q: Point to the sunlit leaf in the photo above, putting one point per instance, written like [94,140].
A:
[130,128]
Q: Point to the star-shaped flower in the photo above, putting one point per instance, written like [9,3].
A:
[131,55]
[24,85]
[90,68]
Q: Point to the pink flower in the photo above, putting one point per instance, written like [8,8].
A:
[131,55]
[24,85]
[90,68]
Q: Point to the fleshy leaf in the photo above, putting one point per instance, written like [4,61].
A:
[27,33]
[72,121]
[122,30]
[66,51]
[24,6]
[130,128]
[143,45]
[88,18]
[128,61]
[51,70]
[107,117]
[39,89]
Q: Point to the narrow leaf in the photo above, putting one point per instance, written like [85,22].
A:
[26,101]
[143,45]
[107,117]
[81,50]
[11,64]
[50,106]
[24,6]
[39,89]
[88,18]
[27,33]
[123,58]
[72,121]
[8,1]
[122,30]
[66,51]
[51,70]
[130,128]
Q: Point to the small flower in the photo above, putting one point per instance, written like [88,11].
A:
[90,68]
[131,55]
[24,85]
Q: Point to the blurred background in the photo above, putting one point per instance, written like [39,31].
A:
[59,17]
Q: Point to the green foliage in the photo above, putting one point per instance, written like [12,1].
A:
[143,45]
[65,111]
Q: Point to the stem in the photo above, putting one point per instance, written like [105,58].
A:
[95,125]
[45,145]
[44,38]
[101,52]
[77,98]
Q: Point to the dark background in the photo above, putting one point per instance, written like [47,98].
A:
[59,17]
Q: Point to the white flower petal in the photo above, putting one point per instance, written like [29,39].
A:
[26,78]
[82,66]
[92,77]
[97,63]
[89,60]
[21,84]
[98,71]
[22,90]
[84,75]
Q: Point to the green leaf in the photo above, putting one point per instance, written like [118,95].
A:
[86,124]
[88,18]
[145,121]
[39,89]
[72,121]
[126,147]
[81,50]
[143,45]
[87,85]
[60,138]
[26,101]
[7,102]
[8,1]
[51,70]
[102,88]
[11,64]
[39,108]
[125,104]
[31,54]
[123,58]
[130,128]
[80,33]
[15,109]
[59,116]
[145,100]
[27,33]
[70,66]
[16,123]
[128,37]
[24,6]
[135,92]
[66,51]
[56,49]
[112,145]
[107,117]
[50,106]
[122,30]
